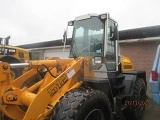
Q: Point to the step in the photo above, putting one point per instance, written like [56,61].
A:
[119,107]
[120,77]
[119,86]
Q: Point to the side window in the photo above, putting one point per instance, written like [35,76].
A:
[79,36]
[21,54]
[111,50]
[10,51]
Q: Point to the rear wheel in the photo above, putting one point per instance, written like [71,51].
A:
[83,104]
[139,98]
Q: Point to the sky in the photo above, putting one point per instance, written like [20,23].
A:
[33,21]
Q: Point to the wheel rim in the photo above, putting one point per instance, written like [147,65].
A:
[95,114]
[13,75]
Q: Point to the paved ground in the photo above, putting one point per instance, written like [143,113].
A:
[152,111]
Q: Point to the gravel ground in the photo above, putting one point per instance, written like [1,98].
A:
[152,111]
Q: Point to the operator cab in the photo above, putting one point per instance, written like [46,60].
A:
[96,36]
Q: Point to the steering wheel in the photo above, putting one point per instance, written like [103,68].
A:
[95,44]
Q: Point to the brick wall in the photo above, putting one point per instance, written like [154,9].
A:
[142,55]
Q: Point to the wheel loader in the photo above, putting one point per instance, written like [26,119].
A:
[95,83]
[13,54]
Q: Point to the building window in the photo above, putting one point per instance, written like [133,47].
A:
[37,55]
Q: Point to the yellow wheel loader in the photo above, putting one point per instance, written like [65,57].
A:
[96,83]
[13,54]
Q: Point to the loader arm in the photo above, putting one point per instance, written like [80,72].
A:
[48,90]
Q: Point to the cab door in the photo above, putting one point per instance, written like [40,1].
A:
[111,55]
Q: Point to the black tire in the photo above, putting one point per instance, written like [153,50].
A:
[83,104]
[17,72]
[139,98]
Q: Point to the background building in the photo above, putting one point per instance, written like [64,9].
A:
[139,44]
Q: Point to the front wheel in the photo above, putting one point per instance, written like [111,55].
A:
[83,104]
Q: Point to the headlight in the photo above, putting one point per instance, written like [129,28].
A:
[97,60]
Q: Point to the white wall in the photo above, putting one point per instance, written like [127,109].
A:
[56,52]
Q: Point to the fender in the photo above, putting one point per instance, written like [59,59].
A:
[10,59]
[130,78]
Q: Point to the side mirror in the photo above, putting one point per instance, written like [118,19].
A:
[64,36]
[112,29]
[113,32]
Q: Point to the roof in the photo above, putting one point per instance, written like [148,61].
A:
[152,31]
[46,44]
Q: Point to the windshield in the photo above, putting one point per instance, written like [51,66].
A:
[88,37]
[7,51]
